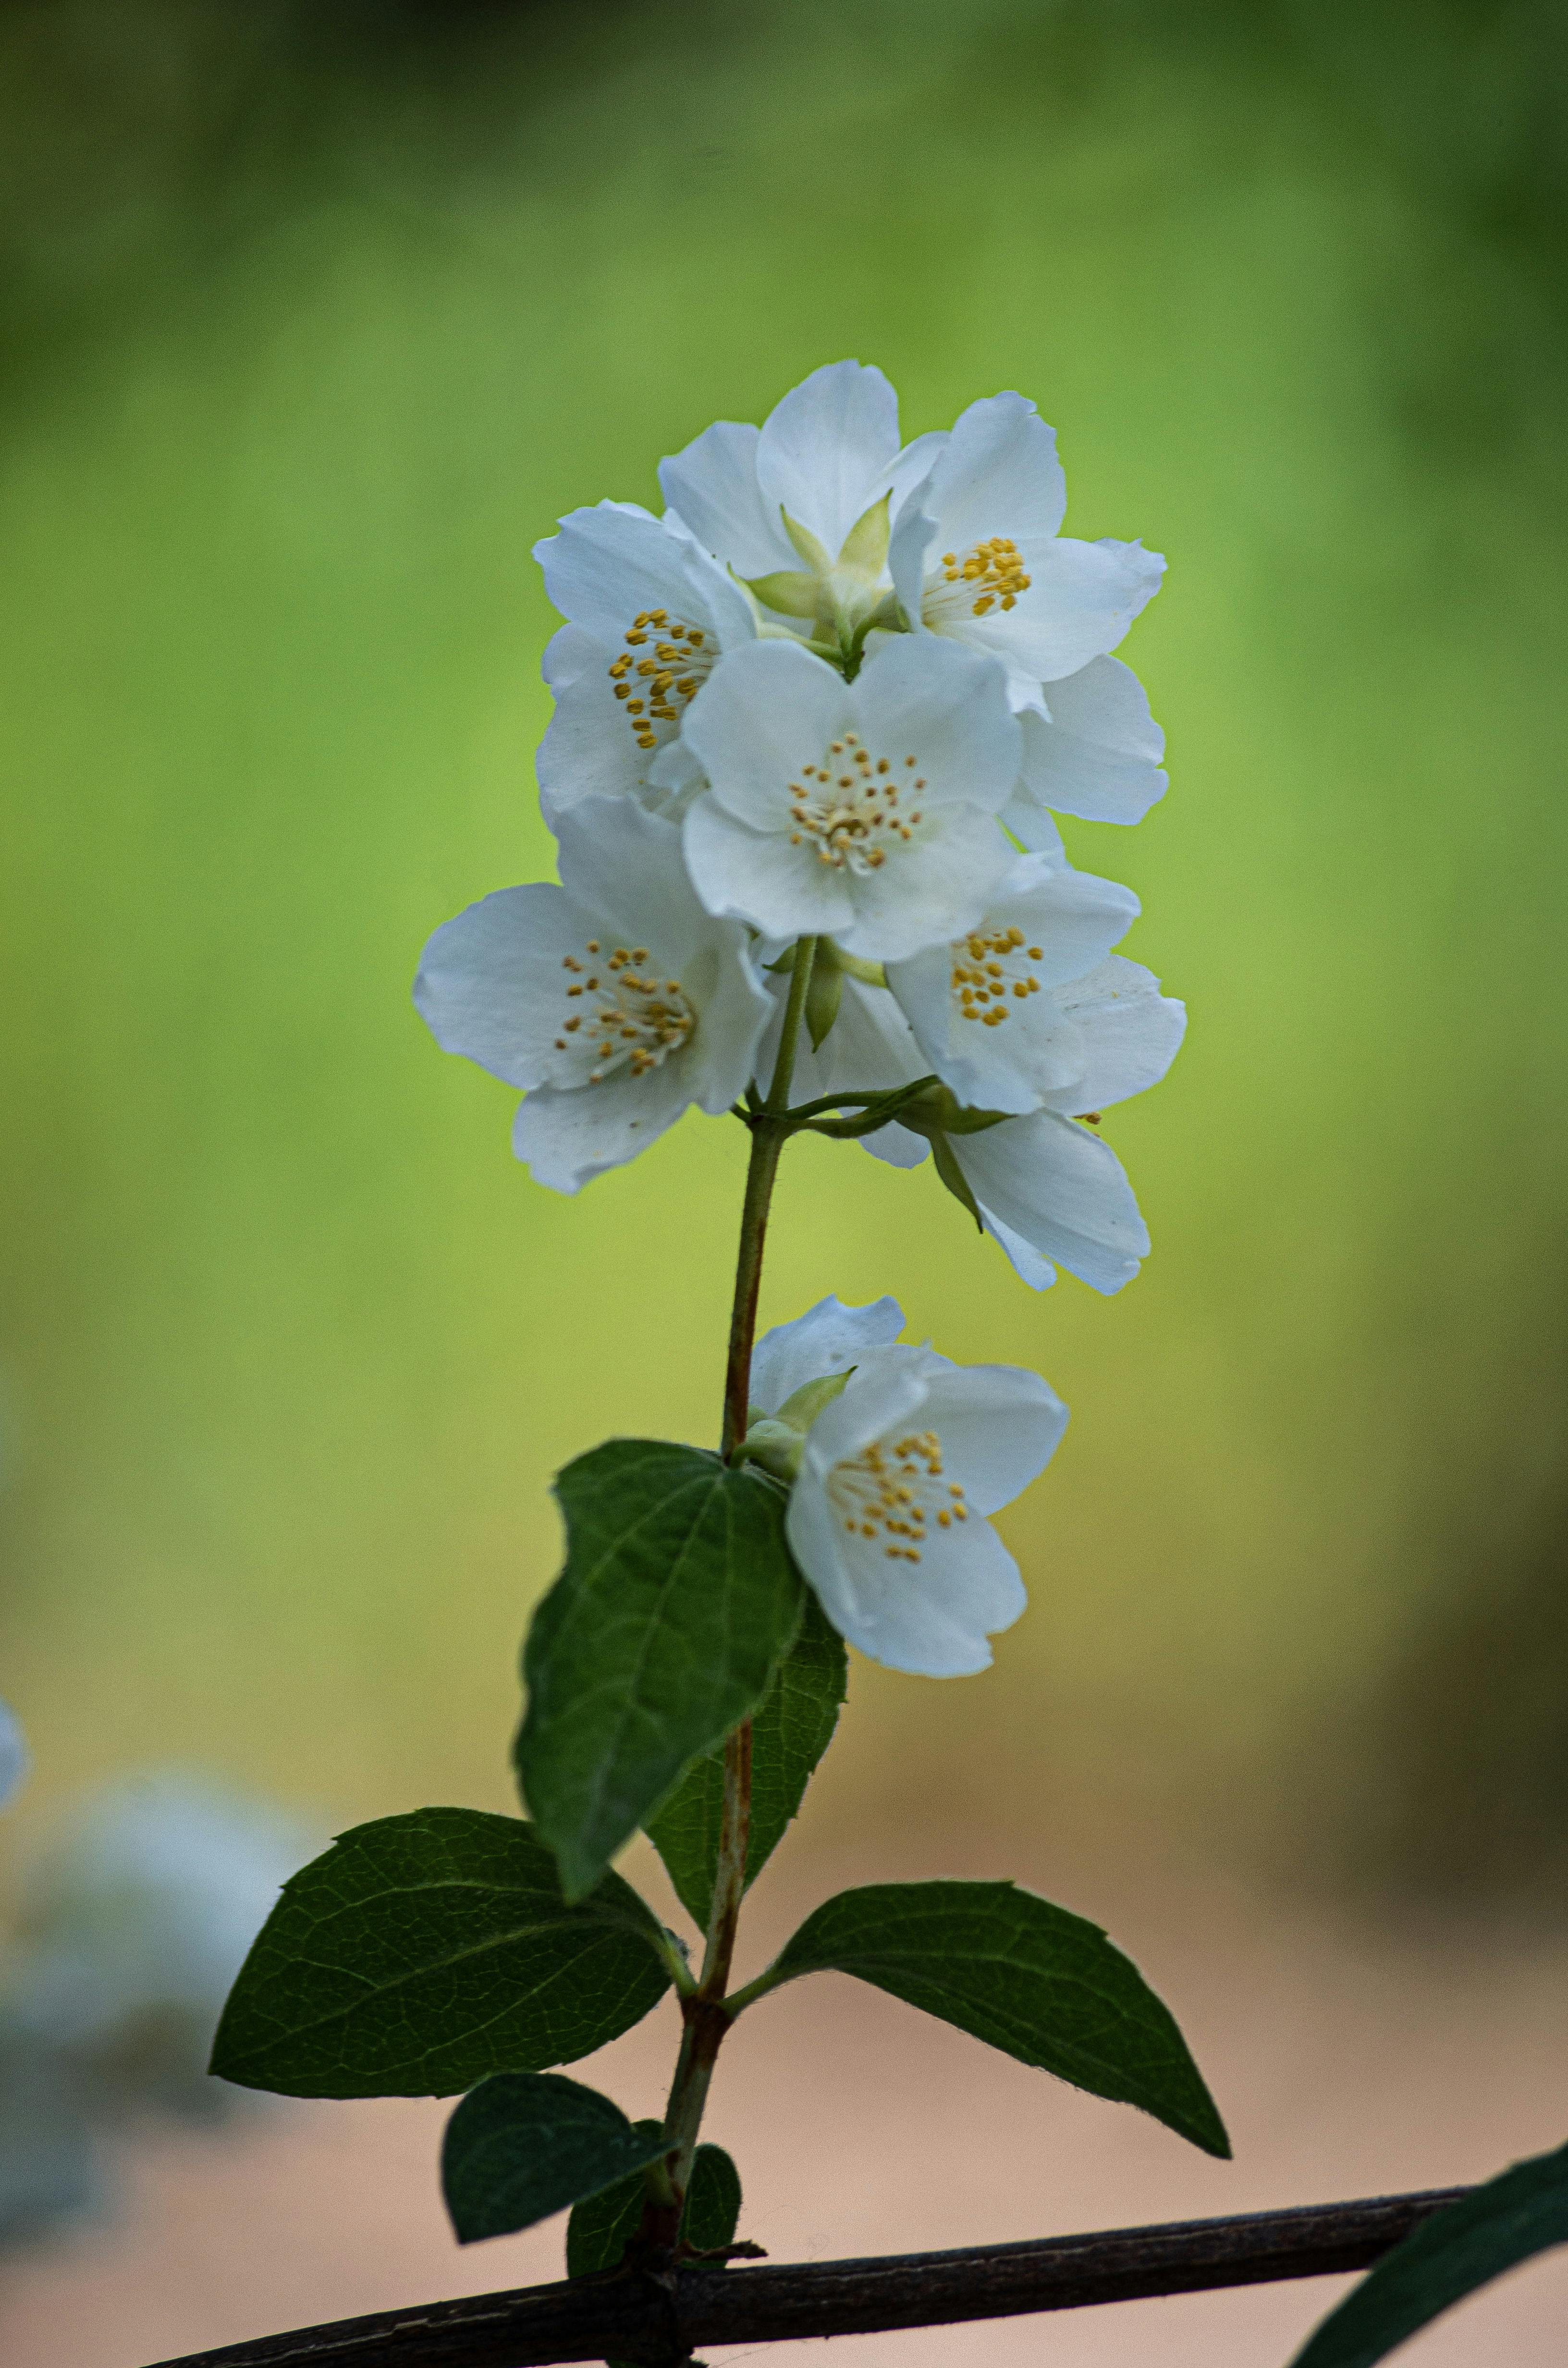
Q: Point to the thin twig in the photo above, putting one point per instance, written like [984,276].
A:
[635,2319]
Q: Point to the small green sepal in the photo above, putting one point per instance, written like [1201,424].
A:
[824,993]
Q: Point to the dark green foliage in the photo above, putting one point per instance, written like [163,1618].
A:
[602,2225]
[422,1953]
[527,2144]
[1042,1984]
[601,2228]
[790,1730]
[712,2202]
[1522,2212]
[677,1600]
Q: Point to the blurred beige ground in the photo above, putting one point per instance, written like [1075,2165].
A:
[1346,2064]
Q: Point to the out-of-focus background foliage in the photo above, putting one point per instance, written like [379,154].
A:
[315,318]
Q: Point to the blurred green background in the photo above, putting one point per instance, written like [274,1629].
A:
[315,318]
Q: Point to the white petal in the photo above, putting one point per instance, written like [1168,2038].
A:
[625,867]
[615,561]
[1081,600]
[829,450]
[885,1392]
[1131,1031]
[914,463]
[1025,1259]
[568,655]
[896,1145]
[1031,825]
[1062,1188]
[1098,753]
[589,749]
[782,890]
[828,1339]
[767,710]
[999,474]
[733,1008]
[488,982]
[567,1139]
[914,536]
[714,486]
[929,891]
[999,1426]
[947,706]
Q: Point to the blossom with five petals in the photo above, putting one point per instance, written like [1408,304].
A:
[888,1514]
[649,615]
[980,1009]
[977,553]
[863,811]
[614,1000]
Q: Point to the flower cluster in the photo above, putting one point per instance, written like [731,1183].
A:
[824,709]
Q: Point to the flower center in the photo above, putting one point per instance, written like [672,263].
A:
[895,1491]
[620,1014]
[855,806]
[659,673]
[972,584]
[990,966]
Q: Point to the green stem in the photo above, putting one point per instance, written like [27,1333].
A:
[784,1067]
[769,1136]
[704,2017]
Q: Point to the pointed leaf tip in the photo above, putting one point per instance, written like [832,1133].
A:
[1040,1983]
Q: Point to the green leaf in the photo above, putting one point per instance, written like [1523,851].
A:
[1521,2212]
[526,2143]
[712,2202]
[422,1953]
[1040,1984]
[676,1603]
[790,1729]
[601,2230]
[602,2225]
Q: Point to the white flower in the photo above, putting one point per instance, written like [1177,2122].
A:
[614,1000]
[1046,1188]
[649,614]
[977,553]
[1095,751]
[864,810]
[826,456]
[13,1754]
[980,1009]
[888,1513]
